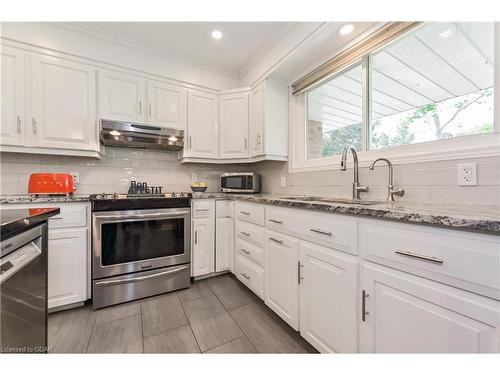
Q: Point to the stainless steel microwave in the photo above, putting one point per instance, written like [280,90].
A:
[240,182]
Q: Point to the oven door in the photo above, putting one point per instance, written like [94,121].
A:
[137,240]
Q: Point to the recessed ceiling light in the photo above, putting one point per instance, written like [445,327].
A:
[346,29]
[216,34]
[446,33]
[115,132]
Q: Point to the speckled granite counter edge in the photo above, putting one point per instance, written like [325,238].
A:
[487,226]
[25,199]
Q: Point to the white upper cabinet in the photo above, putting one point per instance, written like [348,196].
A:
[167,105]
[256,121]
[403,313]
[202,127]
[122,97]
[268,120]
[233,131]
[63,104]
[13,110]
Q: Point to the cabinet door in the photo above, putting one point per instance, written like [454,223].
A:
[328,299]
[224,254]
[202,127]
[167,105]
[203,246]
[12,83]
[256,121]
[121,97]
[233,131]
[408,314]
[281,277]
[67,266]
[63,112]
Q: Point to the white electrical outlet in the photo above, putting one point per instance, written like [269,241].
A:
[283,181]
[76,177]
[467,174]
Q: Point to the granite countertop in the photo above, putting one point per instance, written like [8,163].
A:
[26,198]
[464,217]
[14,221]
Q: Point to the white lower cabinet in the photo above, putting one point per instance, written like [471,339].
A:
[404,313]
[224,236]
[328,299]
[67,266]
[281,277]
[203,246]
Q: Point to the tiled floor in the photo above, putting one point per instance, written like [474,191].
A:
[218,315]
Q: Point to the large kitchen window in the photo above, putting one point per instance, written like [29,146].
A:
[434,82]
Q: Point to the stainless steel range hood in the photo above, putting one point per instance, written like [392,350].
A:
[129,134]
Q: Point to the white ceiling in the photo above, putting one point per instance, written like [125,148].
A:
[242,43]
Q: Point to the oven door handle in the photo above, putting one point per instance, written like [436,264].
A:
[157,215]
[141,278]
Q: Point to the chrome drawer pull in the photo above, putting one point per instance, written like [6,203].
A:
[245,234]
[321,232]
[276,221]
[245,251]
[202,209]
[364,313]
[276,240]
[245,276]
[299,277]
[419,256]
[245,212]
[55,218]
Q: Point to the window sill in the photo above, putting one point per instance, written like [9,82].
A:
[474,146]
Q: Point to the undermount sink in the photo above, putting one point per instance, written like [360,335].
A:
[333,200]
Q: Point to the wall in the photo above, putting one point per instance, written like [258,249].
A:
[112,173]
[434,182]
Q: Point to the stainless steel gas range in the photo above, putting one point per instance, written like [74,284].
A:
[141,246]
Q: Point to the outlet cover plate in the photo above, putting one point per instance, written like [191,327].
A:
[467,174]
[76,177]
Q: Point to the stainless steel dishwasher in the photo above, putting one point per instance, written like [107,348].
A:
[23,291]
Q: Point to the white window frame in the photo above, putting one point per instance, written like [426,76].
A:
[463,147]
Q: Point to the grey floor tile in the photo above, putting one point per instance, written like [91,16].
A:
[162,313]
[118,336]
[198,289]
[178,340]
[69,331]
[231,292]
[267,332]
[211,323]
[109,314]
[241,345]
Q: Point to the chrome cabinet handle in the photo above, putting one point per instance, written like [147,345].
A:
[364,313]
[321,232]
[276,240]
[245,275]
[276,221]
[419,256]
[202,209]
[33,125]
[245,143]
[245,251]
[299,277]
[141,278]
[149,108]
[195,237]
[245,212]
[190,143]
[140,107]
[245,234]
[259,139]
[55,218]
[18,125]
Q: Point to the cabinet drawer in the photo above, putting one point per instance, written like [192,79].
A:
[249,251]
[250,275]
[71,216]
[335,231]
[468,261]
[250,212]
[202,208]
[224,208]
[250,233]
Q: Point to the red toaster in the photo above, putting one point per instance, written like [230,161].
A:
[50,183]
